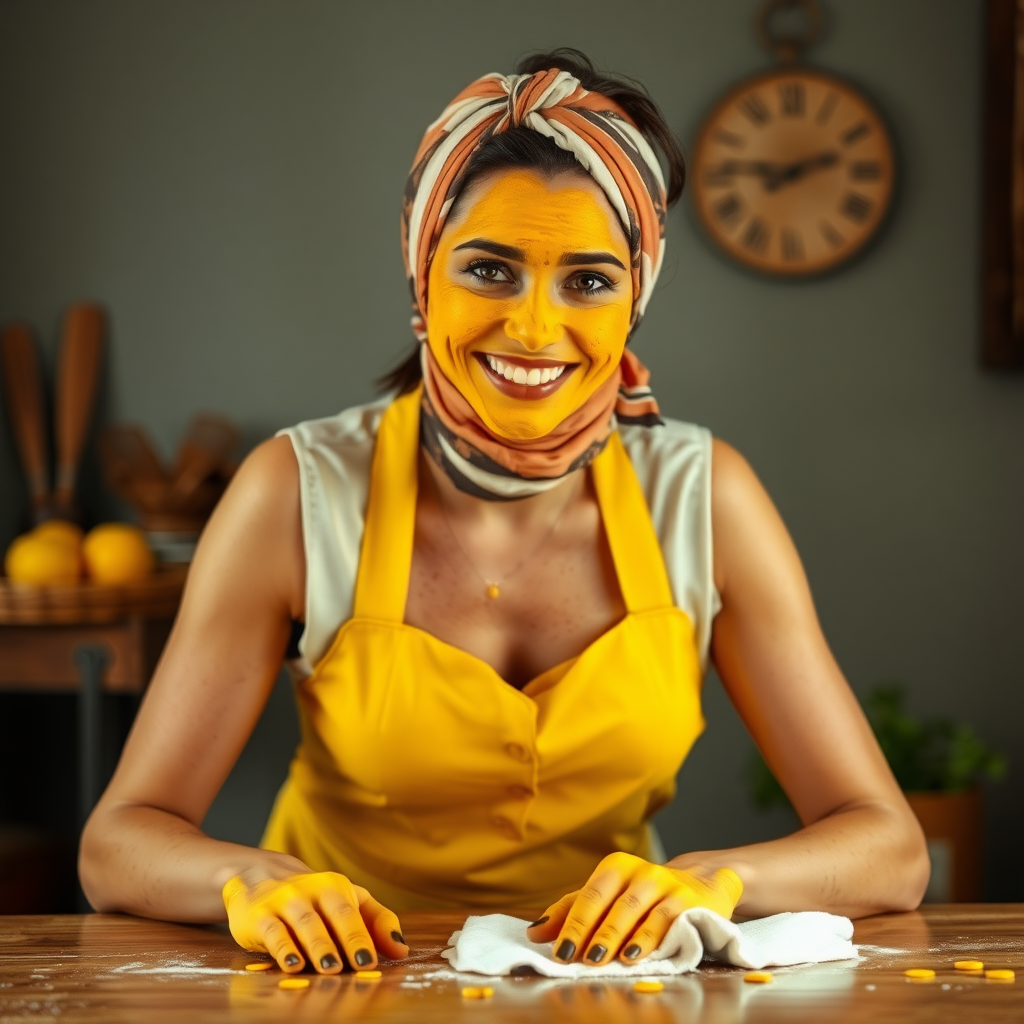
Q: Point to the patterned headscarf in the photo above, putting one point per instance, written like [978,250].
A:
[592,127]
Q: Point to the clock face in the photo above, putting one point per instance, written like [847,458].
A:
[792,172]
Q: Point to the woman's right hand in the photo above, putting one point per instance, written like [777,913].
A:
[309,917]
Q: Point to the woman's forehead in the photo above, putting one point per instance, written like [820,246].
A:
[525,208]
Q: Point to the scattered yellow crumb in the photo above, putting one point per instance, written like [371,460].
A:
[648,986]
[920,972]
[258,967]
[478,992]
[293,983]
[368,975]
[968,965]
[758,977]
[1000,975]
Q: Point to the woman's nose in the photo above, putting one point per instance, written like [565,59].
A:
[534,322]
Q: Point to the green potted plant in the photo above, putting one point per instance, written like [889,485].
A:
[939,764]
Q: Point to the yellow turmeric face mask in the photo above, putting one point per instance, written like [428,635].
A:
[529,299]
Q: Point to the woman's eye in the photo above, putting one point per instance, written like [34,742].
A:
[489,273]
[589,283]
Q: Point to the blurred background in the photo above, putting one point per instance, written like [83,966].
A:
[225,178]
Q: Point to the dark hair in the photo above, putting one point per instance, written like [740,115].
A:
[523,147]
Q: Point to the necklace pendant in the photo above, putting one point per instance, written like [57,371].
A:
[493,591]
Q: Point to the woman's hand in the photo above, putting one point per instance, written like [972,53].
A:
[308,917]
[627,907]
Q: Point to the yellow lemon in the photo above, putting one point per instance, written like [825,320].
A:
[40,560]
[117,553]
[60,529]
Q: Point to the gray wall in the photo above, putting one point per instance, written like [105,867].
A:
[226,177]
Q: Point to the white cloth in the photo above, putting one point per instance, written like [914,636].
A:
[497,945]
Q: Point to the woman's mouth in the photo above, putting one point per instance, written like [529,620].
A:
[525,378]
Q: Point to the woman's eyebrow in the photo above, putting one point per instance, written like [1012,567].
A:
[578,259]
[508,252]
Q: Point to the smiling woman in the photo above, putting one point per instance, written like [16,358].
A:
[509,576]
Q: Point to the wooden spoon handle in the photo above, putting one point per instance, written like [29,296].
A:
[77,375]
[23,391]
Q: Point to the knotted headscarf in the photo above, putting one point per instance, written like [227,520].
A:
[612,150]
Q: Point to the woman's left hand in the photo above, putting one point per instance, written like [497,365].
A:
[627,907]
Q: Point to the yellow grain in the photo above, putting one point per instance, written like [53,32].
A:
[758,977]
[293,983]
[647,986]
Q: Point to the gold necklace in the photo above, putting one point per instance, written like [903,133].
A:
[493,587]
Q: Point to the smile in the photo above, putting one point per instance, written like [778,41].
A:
[525,378]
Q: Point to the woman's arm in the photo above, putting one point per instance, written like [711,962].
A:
[861,850]
[142,850]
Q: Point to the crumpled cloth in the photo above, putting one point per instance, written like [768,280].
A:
[497,945]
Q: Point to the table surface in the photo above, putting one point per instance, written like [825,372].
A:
[101,967]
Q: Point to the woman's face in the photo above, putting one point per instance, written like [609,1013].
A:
[529,298]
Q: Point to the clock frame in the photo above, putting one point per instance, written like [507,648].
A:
[792,172]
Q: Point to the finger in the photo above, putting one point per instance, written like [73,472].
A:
[588,909]
[278,942]
[547,926]
[624,916]
[648,937]
[383,924]
[312,935]
[341,909]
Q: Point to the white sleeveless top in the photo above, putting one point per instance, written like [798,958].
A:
[672,463]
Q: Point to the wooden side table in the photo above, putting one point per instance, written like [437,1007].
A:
[88,639]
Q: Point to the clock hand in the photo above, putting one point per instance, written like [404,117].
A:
[795,171]
[757,168]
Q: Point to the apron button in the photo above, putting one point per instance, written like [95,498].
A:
[520,753]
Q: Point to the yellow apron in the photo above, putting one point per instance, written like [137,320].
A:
[425,777]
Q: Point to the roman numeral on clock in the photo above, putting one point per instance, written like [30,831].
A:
[858,131]
[727,209]
[792,245]
[755,238]
[865,170]
[752,107]
[791,99]
[856,207]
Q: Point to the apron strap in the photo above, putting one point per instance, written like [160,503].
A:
[385,559]
[636,552]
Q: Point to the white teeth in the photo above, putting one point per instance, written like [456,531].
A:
[520,375]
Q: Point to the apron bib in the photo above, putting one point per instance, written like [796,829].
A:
[425,777]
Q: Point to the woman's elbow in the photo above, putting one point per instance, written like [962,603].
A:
[914,866]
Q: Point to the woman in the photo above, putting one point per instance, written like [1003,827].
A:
[510,578]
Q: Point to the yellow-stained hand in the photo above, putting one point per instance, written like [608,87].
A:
[627,907]
[310,917]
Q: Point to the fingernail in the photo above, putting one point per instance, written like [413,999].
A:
[632,952]
[566,950]
[291,959]
[596,953]
[397,936]
[363,957]
[538,922]
[330,960]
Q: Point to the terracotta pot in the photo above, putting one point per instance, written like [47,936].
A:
[952,824]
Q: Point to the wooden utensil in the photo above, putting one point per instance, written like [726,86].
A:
[205,449]
[78,373]
[23,390]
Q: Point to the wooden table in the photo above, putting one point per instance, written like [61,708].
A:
[110,968]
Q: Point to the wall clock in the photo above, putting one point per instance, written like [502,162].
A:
[792,172]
